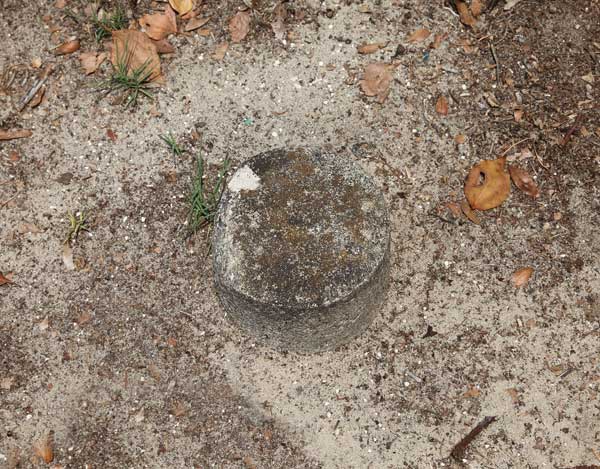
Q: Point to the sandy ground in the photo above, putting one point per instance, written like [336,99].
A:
[129,361]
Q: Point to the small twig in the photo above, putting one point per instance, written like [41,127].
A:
[572,130]
[33,91]
[7,201]
[459,450]
[495,57]
[514,145]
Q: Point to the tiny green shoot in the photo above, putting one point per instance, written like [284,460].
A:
[78,222]
[204,201]
[103,26]
[132,83]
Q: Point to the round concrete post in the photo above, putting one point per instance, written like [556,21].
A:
[301,249]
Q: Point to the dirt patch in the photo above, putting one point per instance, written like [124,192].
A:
[129,358]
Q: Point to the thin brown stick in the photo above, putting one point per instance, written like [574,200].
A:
[572,130]
[459,450]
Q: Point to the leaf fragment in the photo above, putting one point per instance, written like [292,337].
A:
[239,26]
[67,256]
[90,61]
[44,448]
[182,6]
[522,276]
[371,48]
[469,212]
[196,23]
[138,51]
[14,134]
[67,47]
[159,25]
[376,80]
[5,280]
[419,35]
[441,106]
[220,50]
[466,17]
[487,184]
[523,181]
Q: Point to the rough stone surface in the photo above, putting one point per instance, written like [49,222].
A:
[301,249]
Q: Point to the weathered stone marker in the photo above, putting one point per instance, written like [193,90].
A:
[301,249]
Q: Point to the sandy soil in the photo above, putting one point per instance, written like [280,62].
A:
[129,361]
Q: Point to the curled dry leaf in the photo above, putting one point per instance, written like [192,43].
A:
[370,48]
[441,106]
[44,449]
[182,6]
[159,25]
[376,80]
[460,138]
[419,35]
[487,184]
[522,276]
[67,47]
[220,50]
[239,26]
[196,23]
[90,61]
[137,50]
[524,181]
[13,134]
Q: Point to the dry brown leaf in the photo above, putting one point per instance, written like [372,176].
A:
[476,7]
[472,392]
[60,4]
[419,35]
[469,212]
[5,280]
[67,256]
[44,448]
[441,106]
[159,25]
[90,61]
[370,48]
[67,47]
[522,276]
[376,80]
[524,181]
[437,40]
[13,134]
[164,46]
[493,189]
[196,23]
[137,50]
[239,26]
[220,50]
[465,14]
[460,139]
[182,6]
